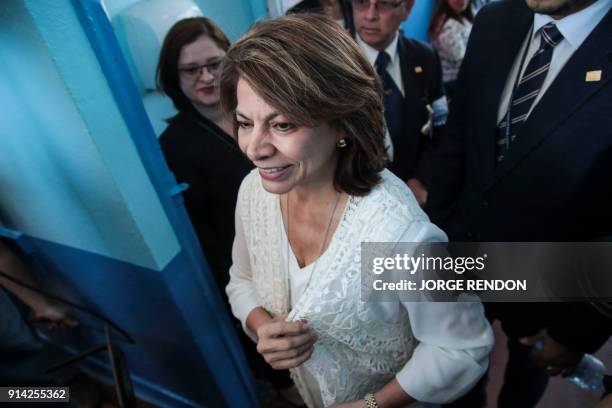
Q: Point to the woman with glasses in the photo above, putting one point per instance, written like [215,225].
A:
[200,149]
[197,143]
[308,112]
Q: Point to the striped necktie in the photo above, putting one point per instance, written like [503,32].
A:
[527,90]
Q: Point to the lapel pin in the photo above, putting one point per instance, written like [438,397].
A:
[418,69]
[593,76]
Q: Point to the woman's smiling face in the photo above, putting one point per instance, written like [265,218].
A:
[287,155]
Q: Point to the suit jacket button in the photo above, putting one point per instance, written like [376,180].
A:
[484,203]
[469,235]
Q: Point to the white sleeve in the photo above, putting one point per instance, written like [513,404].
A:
[240,291]
[454,340]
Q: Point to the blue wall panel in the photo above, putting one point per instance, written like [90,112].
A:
[166,364]
[418,20]
[83,177]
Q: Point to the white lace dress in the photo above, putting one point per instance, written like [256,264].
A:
[436,351]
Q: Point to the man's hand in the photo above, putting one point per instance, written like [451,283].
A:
[419,190]
[554,356]
[285,344]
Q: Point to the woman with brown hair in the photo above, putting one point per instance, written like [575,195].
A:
[201,150]
[449,31]
[308,112]
[198,143]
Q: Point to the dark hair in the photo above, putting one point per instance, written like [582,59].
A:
[310,69]
[182,33]
[443,12]
[315,6]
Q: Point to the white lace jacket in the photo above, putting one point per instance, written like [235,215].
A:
[436,351]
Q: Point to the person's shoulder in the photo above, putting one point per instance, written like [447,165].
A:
[421,48]
[179,127]
[393,193]
[423,54]
[452,23]
[251,185]
[501,10]
[252,180]
[494,23]
[387,211]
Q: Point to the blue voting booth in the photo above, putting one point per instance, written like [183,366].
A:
[85,192]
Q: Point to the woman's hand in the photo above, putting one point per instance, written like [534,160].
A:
[285,344]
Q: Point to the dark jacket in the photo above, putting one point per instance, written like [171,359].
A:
[204,156]
[555,182]
[422,78]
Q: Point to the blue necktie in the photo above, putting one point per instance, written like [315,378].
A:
[527,90]
[392,98]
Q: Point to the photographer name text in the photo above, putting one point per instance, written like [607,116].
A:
[476,285]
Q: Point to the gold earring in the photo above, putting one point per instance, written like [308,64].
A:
[341,143]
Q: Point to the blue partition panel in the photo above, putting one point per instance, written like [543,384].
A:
[86,192]
[418,21]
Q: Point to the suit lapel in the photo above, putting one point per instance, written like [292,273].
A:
[567,93]
[407,58]
[412,84]
[506,48]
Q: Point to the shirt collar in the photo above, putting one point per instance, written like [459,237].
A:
[372,53]
[577,26]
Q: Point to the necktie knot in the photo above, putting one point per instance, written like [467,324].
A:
[551,36]
[382,61]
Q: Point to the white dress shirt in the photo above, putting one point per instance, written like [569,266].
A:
[575,29]
[393,68]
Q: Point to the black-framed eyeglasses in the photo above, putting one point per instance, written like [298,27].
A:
[193,71]
[381,5]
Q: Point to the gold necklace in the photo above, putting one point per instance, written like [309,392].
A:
[314,265]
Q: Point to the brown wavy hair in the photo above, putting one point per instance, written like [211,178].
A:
[310,69]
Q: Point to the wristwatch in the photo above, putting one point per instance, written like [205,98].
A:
[370,401]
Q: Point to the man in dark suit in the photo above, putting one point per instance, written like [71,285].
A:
[527,156]
[411,76]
